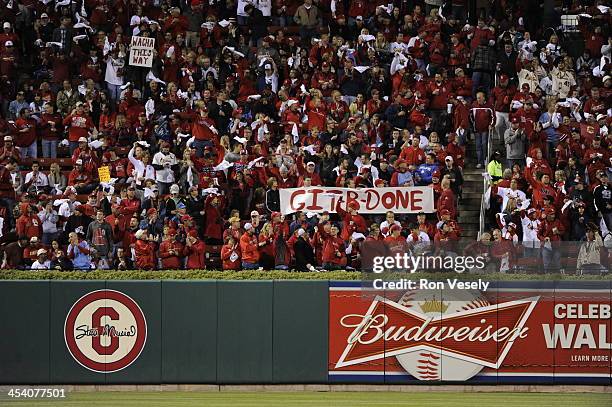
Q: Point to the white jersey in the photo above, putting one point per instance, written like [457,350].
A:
[507,193]
[530,232]
[166,174]
[562,81]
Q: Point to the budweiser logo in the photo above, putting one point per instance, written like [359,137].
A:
[468,333]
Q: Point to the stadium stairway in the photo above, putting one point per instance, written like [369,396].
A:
[470,204]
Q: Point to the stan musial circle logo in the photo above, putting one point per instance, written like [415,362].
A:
[105,331]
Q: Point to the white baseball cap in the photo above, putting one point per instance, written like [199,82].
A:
[8,43]
[41,251]
[6,25]
[448,158]
[174,189]
[44,15]
[79,162]
[248,226]
[82,140]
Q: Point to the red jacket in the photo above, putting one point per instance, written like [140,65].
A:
[249,248]
[145,255]
[413,155]
[78,126]
[171,260]
[502,98]
[196,255]
[29,226]
[26,138]
[352,223]
[226,254]
[447,201]
[483,116]
[333,251]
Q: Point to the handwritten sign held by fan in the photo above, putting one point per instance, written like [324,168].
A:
[141,51]
[104,174]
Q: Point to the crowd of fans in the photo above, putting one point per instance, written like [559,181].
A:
[245,98]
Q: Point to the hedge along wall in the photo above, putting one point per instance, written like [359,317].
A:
[233,332]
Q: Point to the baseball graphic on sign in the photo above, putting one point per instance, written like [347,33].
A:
[427,364]
[105,331]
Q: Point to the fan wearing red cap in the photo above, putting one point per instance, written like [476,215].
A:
[351,220]
[171,251]
[396,242]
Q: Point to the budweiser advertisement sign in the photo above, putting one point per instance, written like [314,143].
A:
[542,333]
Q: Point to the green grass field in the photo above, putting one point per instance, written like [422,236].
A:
[322,399]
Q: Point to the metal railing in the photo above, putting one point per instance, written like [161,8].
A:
[486,183]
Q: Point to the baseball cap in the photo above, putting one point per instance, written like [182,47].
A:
[515,120]
[186,218]
[503,78]
[301,232]
[248,226]
[79,162]
[530,211]
[359,18]
[310,163]
[151,211]
[40,251]
[34,239]
[8,138]
[268,66]
[174,189]
[82,140]
[512,225]
[395,227]
[254,213]
[6,25]
[44,15]
[448,158]
[8,43]
[601,116]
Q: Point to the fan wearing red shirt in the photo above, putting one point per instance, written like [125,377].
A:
[447,199]
[249,248]
[334,255]
[413,155]
[130,205]
[352,221]
[81,179]
[144,251]
[230,254]
[195,250]
[484,120]
[25,139]
[28,224]
[79,125]
[170,252]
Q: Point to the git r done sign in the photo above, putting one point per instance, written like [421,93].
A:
[504,335]
[105,331]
